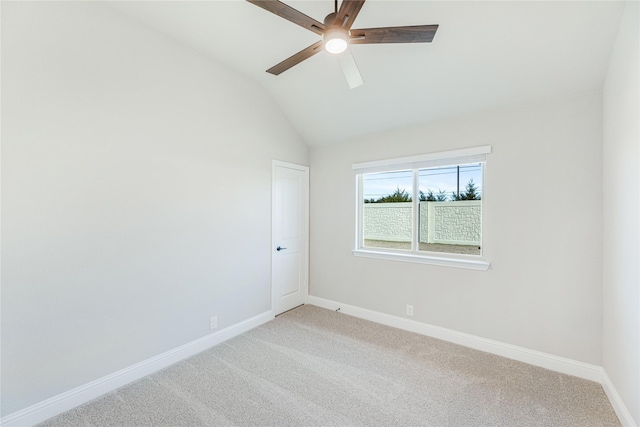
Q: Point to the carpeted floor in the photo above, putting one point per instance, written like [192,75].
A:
[312,367]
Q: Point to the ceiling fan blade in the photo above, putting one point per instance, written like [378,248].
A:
[347,13]
[411,34]
[290,14]
[350,69]
[296,59]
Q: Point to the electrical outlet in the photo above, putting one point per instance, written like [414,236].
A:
[409,310]
[213,322]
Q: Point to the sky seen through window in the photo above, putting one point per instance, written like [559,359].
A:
[444,178]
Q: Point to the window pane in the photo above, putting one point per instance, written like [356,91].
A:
[450,216]
[387,209]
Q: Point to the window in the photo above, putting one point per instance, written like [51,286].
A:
[423,208]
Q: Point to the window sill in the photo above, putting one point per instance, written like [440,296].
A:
[474,263]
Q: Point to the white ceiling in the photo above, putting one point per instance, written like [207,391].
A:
[484,55]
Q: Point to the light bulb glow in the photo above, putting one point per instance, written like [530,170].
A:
[336,40]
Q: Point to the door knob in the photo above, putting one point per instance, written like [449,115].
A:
[279,248]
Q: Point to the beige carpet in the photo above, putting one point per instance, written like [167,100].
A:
[312,366]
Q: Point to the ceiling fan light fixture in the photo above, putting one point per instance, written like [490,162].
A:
[335,40]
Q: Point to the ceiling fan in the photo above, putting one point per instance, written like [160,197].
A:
[337,35]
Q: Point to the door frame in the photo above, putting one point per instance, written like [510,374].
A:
[305,245]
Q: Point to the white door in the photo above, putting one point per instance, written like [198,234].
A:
[289,230]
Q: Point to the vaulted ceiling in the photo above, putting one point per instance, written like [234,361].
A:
[485,55]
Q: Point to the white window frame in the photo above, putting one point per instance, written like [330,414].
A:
[442,158]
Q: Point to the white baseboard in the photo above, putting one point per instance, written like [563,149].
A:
[616,401]
[63,402]
[521,354]
[532,357]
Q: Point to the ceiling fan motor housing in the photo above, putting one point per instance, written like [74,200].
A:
[335,39]
[330,19]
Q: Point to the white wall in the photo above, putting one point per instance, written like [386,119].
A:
[621,316]
[544,288]
[131,172]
